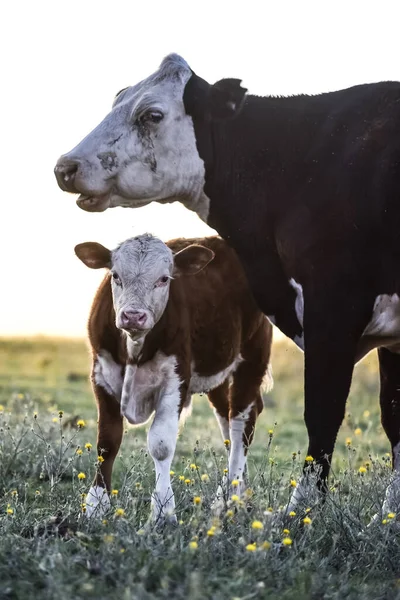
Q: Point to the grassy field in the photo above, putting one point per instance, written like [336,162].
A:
[46,545]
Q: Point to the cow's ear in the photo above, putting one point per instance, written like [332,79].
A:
[191,260]
[223,100]
[94,255]
[226,98]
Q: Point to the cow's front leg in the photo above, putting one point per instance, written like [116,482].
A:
[162,443]
[332,329]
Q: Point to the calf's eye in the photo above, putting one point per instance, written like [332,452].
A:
[116,278]
[162,281]
[155,116]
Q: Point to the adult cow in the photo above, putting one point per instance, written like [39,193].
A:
[307,191]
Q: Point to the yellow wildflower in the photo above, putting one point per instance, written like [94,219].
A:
[81,476]
[229,513]
[307,510]
[251,547]
[60,414]
[138,485]
[193,467]
[348,441]
[14,493]
[292,513]
[88,446]
[366,414]
[227,443]
[83,507]
[225,471]
[54,420]
[270,509]
[293,482]
[235,498]
[1,408]
[9,511]
[358,431]
[172,473]
[197,500]
[122,550]
[287,541]
[309,459]
[235,482]
[181,478]
[248,493]
[211,531]
[114,492]
[109,538]
[104,521]
[205,478]
[81,423]
[257,525]
[307,521]
[35,415]
[362,470]
[119,512]
[286,531]
[270,432]
[79,451]
[193,545]
[391,515]
[100,459]
[384,521]
[37,493]
[187,481]
[266,545]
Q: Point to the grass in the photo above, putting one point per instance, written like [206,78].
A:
[46,544]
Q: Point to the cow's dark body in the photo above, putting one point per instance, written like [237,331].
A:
[309,188]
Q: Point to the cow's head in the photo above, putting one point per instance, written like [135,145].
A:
[145,148]
[142,268]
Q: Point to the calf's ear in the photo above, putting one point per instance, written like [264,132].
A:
[191,260]
[94,255]
[223,100]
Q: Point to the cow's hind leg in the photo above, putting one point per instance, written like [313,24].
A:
[389,365]
[109,436]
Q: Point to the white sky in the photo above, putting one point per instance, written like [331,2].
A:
[62,63]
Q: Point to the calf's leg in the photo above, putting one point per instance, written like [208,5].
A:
[109,436]
[219,398]
[162,438]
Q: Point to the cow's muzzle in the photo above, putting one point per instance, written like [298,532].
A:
[65,172]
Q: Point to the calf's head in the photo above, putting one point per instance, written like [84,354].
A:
[141,271]
[145,149]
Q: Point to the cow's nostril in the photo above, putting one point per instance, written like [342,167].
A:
[65,172]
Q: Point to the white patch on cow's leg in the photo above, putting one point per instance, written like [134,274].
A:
[108,374]
[97,501]
[237,457]
[162,443]
[392,495]
[223,425]
[299,308]
[305,492]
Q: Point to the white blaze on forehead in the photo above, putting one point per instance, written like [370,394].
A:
[142,258]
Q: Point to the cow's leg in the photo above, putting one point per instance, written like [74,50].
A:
[332,329]
[245,406]
[219,398]
[162,438]
[389,365]
[109,436]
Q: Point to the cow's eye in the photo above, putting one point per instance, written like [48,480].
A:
[155,116]
[116,278]
[162,281]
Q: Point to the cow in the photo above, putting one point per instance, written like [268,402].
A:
[170,320]
[305,189]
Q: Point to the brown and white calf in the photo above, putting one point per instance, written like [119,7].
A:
[168,321]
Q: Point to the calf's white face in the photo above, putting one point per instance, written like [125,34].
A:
[142,268]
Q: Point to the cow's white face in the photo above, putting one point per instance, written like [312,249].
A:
[145,148]
[141,269]
[143,151]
